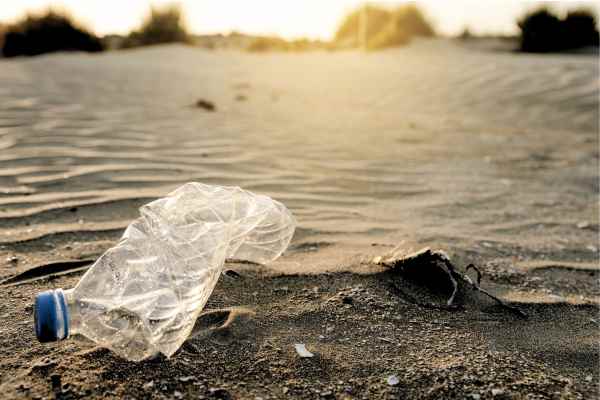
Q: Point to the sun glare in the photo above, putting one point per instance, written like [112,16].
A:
[314,19]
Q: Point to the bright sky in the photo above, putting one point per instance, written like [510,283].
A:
[288,18]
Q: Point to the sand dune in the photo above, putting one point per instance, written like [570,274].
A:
[432,142]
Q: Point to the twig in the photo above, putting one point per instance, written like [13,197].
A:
[479,275]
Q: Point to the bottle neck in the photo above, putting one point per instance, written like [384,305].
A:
[72,311]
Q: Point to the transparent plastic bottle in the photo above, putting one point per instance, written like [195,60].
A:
[142,297]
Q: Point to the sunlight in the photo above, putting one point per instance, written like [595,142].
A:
[289,19]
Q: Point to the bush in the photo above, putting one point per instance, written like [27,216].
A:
[47,33]
[264,43]
[384,27]
[542,31]
[267,43]
[412,21]
[162,25]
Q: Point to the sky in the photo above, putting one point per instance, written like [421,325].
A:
[316,19]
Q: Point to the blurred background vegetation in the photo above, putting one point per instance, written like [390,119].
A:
[377,27]
[542,31]
[45,33]
[368,27]
[162,25]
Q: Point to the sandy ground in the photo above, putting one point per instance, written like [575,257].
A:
[490,156]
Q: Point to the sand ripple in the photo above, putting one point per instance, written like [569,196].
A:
[477,151]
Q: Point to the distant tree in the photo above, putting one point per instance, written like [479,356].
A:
[466,34]
[580,28]
[162,25]
[377,19]
[46,33]
[383,27]
[542,31]
[412,21]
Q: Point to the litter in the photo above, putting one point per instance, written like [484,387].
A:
[302,351]
[143,296]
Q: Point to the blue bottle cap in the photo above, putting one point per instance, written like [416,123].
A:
[51,316]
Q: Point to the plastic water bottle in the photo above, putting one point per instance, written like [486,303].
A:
[142,297]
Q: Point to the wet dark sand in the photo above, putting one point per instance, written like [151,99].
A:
[492,157]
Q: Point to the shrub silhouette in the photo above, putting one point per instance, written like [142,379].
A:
[580,27]
[47,33]
[542,31]
[162,25]
[384,27]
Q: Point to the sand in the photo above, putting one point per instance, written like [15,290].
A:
[491,156]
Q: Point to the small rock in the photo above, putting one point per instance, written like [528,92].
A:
[148,385]
[302,351]
[56,383]
[177,394]
[475,396]
[497,392]
[13,259]
[583,224]
[589,378]
[185,378]
[219,393]
[205,104]
[392,380]
[231,274]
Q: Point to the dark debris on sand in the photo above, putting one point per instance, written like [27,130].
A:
[205,105]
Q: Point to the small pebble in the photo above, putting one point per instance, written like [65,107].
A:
[56,382]
[393,380]
[220,393]
[302,351]
[148,385]
[206,105]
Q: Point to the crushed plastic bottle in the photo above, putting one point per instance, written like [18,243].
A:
[143,296]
